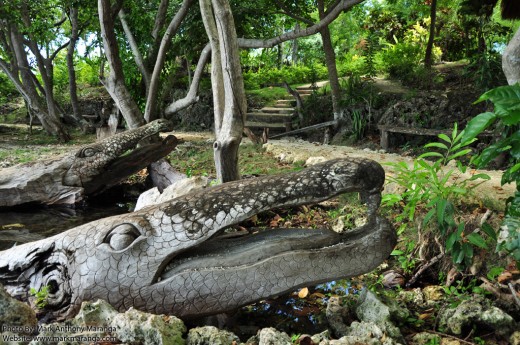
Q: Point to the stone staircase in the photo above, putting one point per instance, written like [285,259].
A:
[277,118]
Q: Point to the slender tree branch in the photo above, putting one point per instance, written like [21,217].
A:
[18,85]
[114,83]
[332,6]
[61,21]
[288,12]
[138,57]
[191,97]
[343,5]
[160,18]
[60,48]
[151,99]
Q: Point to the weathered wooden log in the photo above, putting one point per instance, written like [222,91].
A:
[88,170]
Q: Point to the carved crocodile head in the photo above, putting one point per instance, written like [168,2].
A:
[89,169]
[166,259]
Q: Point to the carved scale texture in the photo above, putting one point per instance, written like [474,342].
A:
[128,276]
[61,180]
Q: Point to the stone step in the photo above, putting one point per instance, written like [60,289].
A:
[269,117]
[305,92]
[284,102]
[277,110]
[255,124]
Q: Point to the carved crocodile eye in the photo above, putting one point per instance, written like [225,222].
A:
[87,152]
[122,236]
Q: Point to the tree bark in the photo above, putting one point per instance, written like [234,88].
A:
[115,81]
[150,111]
[330,60]
[329,17]
[228,87]
[511,60]
[294,50]
[26,86]
[429,47]
[73,17]
[138,57]
[191,97]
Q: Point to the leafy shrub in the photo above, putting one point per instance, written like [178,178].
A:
[486,70]
[403,59]
[426,187]
[7,88]
[351,63]
[294,74]
[506,100]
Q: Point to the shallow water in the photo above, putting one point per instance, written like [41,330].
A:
[33,223]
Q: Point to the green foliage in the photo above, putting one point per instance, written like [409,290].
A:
[486,70]
[402,59]
[41,296]
[405,257]
[436,189]
[370,52]
[7,88]
[293,74]
[506,115]
[351,63]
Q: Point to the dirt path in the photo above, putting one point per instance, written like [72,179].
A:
[490,193]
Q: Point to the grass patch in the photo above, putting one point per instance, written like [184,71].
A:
[18,146]
[268,95]
[196,158]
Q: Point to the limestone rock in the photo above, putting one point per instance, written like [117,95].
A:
[15,316]
[433,293]
[314,160]
[98,320]
[371,310]
[473,312]
[210,335]
[135,326]
[514,339]
[336,314]
[375,325]
[321,337]
[270,336]
[414,296]
[92,313]
[425,338]
[147,198]
[185,186]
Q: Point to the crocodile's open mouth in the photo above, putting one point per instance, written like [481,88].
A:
[222,252]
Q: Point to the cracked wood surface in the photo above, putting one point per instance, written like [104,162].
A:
[166,259]
[67,178]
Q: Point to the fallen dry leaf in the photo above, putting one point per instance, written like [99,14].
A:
[303,292]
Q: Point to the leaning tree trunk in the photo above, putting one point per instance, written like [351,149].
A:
[28,90]
[115,81]
[228,87]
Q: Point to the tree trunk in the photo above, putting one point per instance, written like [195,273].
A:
[511,60]
[429,47]
[150,111]
[330,60]
[28,90]
[228,87]
[73,16]
[294,51]
[115,82]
